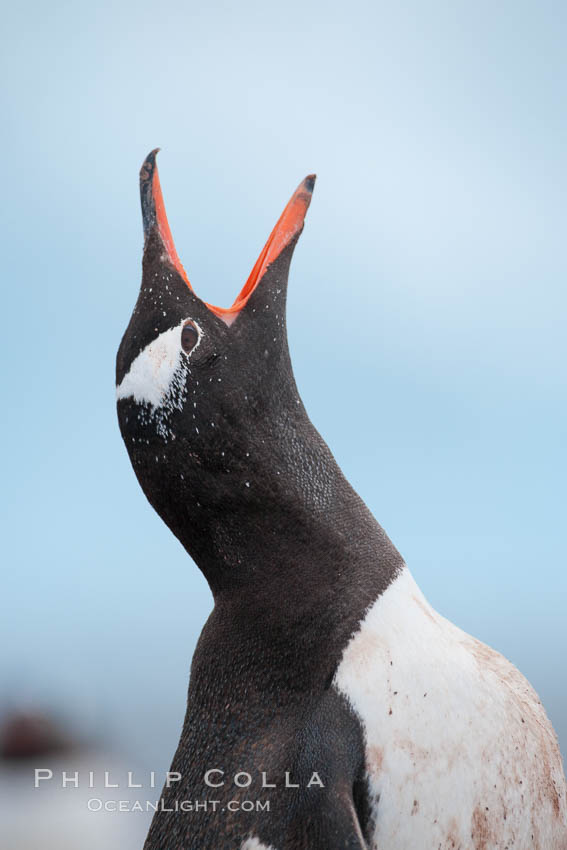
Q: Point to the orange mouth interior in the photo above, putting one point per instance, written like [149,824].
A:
[289,225]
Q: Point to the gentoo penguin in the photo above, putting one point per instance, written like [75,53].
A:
[329,705]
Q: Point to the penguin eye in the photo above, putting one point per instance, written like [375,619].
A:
[189,336]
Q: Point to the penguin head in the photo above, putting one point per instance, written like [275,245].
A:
[200,389]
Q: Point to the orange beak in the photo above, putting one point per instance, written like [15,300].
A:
[288,227]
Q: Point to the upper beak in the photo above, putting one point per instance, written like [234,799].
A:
[287,229]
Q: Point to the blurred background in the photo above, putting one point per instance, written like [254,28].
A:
[426,320]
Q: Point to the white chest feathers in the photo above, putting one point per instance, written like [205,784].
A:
[460,753]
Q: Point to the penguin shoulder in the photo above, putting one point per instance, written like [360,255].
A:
[442,711]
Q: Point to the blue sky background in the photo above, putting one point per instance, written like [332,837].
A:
[426,311]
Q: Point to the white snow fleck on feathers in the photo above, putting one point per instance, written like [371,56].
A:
[253,843]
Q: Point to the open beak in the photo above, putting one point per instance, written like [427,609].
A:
[288,228]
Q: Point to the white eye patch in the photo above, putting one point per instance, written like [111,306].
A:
[155,371]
